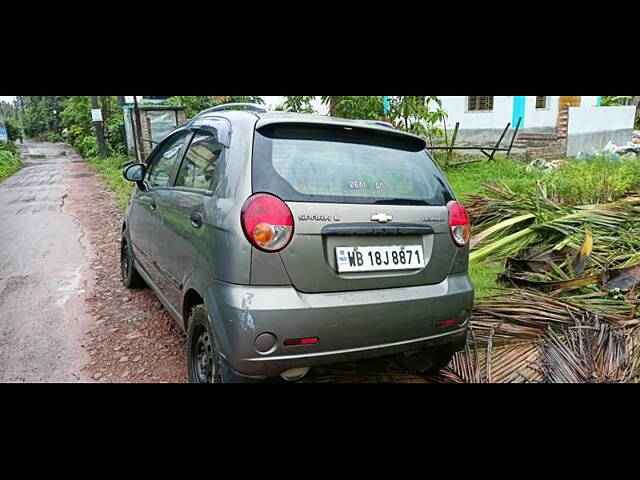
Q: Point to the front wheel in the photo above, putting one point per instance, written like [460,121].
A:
[130,276]
[203,360]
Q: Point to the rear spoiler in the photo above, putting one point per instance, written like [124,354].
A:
[383,128]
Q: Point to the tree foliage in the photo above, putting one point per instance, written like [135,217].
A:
[79,128]
[42,116]
[610,101]
[356,107]
[420,115]
[10,113]
[195,104]
[298,104]
[14,129]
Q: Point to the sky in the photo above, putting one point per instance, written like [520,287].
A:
[6,99]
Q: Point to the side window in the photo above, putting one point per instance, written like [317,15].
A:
[166,160]
[198,169]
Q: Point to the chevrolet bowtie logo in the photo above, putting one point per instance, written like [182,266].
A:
[381,217]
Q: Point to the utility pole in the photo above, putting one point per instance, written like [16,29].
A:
[123,131]
[96,114]
[136,112]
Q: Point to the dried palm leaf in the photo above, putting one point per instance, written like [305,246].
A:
[591,353]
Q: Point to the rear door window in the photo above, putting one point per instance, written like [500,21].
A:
[345,165]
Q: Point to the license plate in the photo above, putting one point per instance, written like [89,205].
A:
[373,259]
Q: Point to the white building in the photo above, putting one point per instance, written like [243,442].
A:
[554,125]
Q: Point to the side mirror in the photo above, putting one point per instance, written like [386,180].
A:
[135,173]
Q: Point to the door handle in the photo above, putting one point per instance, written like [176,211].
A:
[197,219]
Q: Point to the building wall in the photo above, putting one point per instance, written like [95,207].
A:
[456,108]
[541,118]
[593,127]
[486,127]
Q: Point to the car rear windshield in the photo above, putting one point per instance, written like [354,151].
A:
[345,165]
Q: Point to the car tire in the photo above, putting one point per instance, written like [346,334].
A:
[426,361]
[130,276]
[203,354]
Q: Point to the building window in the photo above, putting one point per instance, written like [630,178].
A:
[479,104]
[541,102]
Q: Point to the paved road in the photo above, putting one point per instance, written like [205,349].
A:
[43,263]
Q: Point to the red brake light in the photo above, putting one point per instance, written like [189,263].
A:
[444,323]
[459,223]
[267,222]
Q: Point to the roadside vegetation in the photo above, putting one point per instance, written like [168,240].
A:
[110,169]
[573,183]
[9,159]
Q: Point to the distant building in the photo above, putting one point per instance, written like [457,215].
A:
[549,125]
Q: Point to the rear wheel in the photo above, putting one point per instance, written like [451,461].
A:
[203,360]
[130,276]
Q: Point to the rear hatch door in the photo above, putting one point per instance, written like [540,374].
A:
[369,206]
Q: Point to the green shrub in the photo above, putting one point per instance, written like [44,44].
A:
[9,159]
[14,130]
[584,182]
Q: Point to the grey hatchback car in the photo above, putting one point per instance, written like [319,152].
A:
[284,241]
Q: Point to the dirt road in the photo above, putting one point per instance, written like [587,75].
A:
[64,316]
[43,264]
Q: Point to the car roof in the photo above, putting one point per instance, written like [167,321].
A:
[271,117]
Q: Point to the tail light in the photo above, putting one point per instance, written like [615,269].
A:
[267,222]
[459,223]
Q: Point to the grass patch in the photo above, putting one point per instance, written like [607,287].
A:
[110,169]
[484,276]
[9,160]
[468,179]
[593,181]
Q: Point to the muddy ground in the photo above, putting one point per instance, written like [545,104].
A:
[132,338]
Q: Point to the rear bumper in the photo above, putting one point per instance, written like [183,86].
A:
[349,325]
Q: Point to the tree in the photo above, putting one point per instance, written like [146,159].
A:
[42,116]
[80,131]
[195,104]
[298,104]
[414,115]
[356,107]
[610,101]
[11,115]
